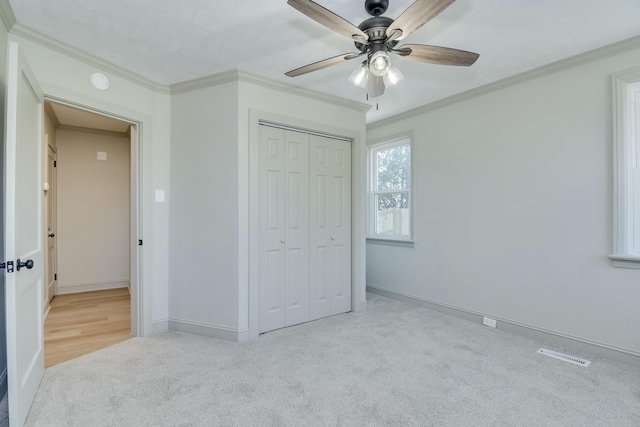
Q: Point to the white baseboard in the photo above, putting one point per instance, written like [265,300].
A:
[360,307]
[93,286]
[597,349]
[209,330]
[159,326]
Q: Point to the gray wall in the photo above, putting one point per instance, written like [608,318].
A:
[210,188]
[513,208]
[93,211]
[67,78]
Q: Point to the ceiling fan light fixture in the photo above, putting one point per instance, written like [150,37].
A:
[360,76]
[379,63]
[392,77]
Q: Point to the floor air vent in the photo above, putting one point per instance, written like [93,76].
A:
[565,357]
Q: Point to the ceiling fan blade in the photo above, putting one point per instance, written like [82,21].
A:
[436,54]
[327,18]
[416,15]
[322,64]
[375,86]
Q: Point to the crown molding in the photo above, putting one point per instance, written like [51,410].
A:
[79,55]
[240,76]
[307,93]
[563,64]
[204,82]
[6,13]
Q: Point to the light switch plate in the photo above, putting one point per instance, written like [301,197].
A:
[102,155]
[160,196]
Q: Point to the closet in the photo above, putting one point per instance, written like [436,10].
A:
[304,227]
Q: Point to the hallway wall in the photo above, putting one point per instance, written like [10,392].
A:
[93,210]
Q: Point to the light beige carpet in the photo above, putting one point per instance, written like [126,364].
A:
[394,365]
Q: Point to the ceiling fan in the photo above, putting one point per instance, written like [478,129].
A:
[378,36]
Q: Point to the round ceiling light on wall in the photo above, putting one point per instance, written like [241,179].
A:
[99,81]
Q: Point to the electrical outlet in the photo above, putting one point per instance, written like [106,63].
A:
[487,321]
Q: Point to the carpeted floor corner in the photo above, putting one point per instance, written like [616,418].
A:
[394,365]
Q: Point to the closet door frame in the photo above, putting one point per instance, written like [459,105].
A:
[358,208]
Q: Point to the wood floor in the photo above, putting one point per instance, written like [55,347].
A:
[82,323]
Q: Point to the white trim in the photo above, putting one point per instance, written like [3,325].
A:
[79,55]
[625,261]
[358,210]
[624,146]
[92,286]
[391,242]
[305,131]
[208,330]
[141,302]
[584,345]
[239,76]
[563,64]
[393,142]
[6,15]
[159,326]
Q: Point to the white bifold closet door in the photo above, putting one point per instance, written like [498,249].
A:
[330,172]
[305,232]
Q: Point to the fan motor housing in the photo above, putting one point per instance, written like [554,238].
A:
[375,28]
[376,7]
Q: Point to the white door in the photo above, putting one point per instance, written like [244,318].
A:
[50,207]
[330,228]
[321,228]
[340,239]
[23,235]
[296,228]
[284,228]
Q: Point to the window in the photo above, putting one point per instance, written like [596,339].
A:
[626,153]
[390,190]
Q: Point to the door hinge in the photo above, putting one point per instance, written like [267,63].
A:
[55,163]
[140,242]
[55,276]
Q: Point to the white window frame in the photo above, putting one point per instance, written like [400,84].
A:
[372,237]
[626,177]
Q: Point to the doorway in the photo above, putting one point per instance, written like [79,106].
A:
[90,222]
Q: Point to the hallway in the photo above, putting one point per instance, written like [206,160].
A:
[81,323]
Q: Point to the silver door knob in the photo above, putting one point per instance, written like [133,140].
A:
[282,241]
[333,238]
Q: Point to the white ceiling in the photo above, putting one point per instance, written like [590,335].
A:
[170,41]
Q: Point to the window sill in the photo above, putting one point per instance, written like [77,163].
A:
[625,261]
[391,242]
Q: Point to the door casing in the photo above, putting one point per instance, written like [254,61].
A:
[358,301]
[135,214]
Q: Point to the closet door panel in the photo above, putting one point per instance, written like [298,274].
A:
[305,227]
[296,228]
[321,190]
[272,229]
[341,226]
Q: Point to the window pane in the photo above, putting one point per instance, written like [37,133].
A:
[393,168]
[392,214]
